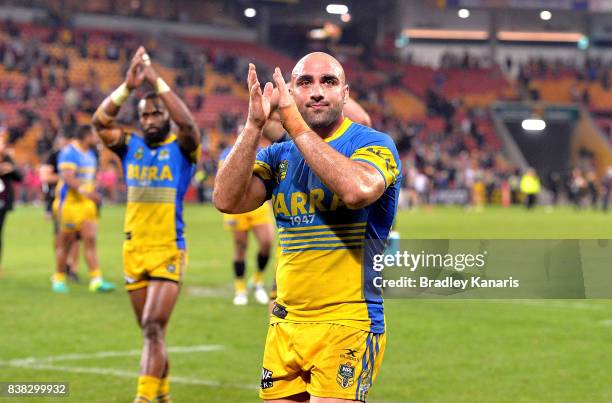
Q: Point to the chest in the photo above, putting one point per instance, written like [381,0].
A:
[145,166]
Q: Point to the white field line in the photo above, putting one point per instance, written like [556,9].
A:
[46,364]
[106,354]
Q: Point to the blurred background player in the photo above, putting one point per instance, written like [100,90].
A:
[49,176]
[260,222]
[8,176]
[76,209]
[530,186]
[158,166]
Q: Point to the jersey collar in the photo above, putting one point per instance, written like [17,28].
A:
[340,130]
[168,140]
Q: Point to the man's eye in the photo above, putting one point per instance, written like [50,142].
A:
[304,83]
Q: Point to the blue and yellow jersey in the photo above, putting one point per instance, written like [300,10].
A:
[321,274]
[157,179]
[84,163]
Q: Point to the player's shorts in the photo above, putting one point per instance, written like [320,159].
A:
[142,265]
[246,221]
[323,359]
[71,215]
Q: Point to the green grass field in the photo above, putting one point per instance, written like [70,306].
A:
[438,351]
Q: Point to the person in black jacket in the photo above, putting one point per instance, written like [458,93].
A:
[8,175]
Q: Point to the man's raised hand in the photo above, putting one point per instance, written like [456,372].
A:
[136,72]
[259,102]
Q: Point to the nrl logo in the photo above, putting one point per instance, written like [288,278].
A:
[346,375]
[138,154]
[282,170]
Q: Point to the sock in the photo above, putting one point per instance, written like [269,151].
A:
[95,275]
[262,261]
[163,395]
[147,389]
[257,278]
[59,277]
[239,283]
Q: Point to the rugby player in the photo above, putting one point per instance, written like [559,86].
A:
[158,166]
[76,210]
[49,176]
[334,191]
[260,222]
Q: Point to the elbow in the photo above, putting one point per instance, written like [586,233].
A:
[221,203]
[355,200]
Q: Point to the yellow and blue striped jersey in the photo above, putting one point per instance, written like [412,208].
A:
[157,179]
[322,275]
[84,163]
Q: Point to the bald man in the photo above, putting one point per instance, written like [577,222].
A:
[334,190]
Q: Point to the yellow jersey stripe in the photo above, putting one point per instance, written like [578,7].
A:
[348,238]
[356,224]
[382,158]
[67,165]
[288,235]
[340,131]
[262,170]
[151,195]
[326,245]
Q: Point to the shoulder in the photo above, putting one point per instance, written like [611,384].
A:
[363,136]
[275,150]
[133,138]
[67,152]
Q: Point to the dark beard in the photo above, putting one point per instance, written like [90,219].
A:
[158,136]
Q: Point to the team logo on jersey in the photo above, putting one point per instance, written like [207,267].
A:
[138,154]
[346,375]
[282,170]
[164,155]
[266,378]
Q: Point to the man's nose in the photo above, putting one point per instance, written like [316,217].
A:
[316,92]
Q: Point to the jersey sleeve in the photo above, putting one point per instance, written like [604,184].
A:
[263,169]
[67,159]
[122,146]
[378,150]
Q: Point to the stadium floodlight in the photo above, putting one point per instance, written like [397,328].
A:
[545,15]
[317,34]
[533,125]
[337,9]
[250,12]
[345,17]
[463,13]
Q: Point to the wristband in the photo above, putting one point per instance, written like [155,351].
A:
[293,121]
[161,87]
[120,94]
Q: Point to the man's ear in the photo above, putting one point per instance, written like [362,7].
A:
[346,93]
